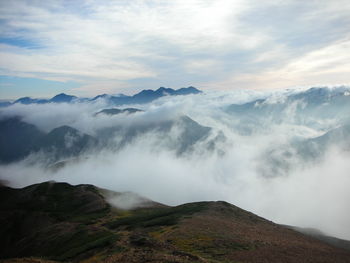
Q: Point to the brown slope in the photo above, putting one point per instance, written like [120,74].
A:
[226,232]
[219,232]
[63,222]
[317,234]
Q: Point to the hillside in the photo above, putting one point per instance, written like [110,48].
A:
[57,221]
[19,139]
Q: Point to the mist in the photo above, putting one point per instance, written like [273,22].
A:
[254,159]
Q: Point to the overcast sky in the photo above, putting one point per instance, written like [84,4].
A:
[92,47]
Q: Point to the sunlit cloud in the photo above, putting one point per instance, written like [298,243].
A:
[323,66]
[139,43]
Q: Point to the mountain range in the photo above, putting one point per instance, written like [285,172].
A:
[322,109]
[312,108]
[211,145]
[145,96]
[19,139]
[303,107]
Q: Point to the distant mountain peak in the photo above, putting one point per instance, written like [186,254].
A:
[102,96]
[23,100]
[29,100]
[62,97]
[144,96]
[165,89]
[188,90]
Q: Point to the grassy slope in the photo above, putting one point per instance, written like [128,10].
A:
[52,220]
[196,232]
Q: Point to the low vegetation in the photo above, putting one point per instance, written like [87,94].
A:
[157,216]
[64,223]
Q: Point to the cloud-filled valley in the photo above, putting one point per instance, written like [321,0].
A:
[281,154]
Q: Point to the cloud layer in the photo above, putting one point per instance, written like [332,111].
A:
[114,46]
[251,169]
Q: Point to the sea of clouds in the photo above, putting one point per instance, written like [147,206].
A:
[239,170]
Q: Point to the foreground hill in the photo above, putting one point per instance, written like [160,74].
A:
[61,222]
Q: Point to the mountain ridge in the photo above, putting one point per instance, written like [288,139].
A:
[78,224]
[143,96]
[19,139]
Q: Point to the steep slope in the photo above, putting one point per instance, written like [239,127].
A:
[218,232]
[310,107]
[65,141]
[280,159]
[18,139]
[63,222]
[189,133]
[314,101]
[51,220]
[317,234]
[339,136]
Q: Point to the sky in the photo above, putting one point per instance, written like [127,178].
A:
[92,47]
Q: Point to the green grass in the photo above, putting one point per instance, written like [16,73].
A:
[89,218]
[92,242]
[63,201]
[72,245]
[157,216]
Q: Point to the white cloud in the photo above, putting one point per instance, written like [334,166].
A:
[115,41]
[298,197]
[201,66]
[329,65]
